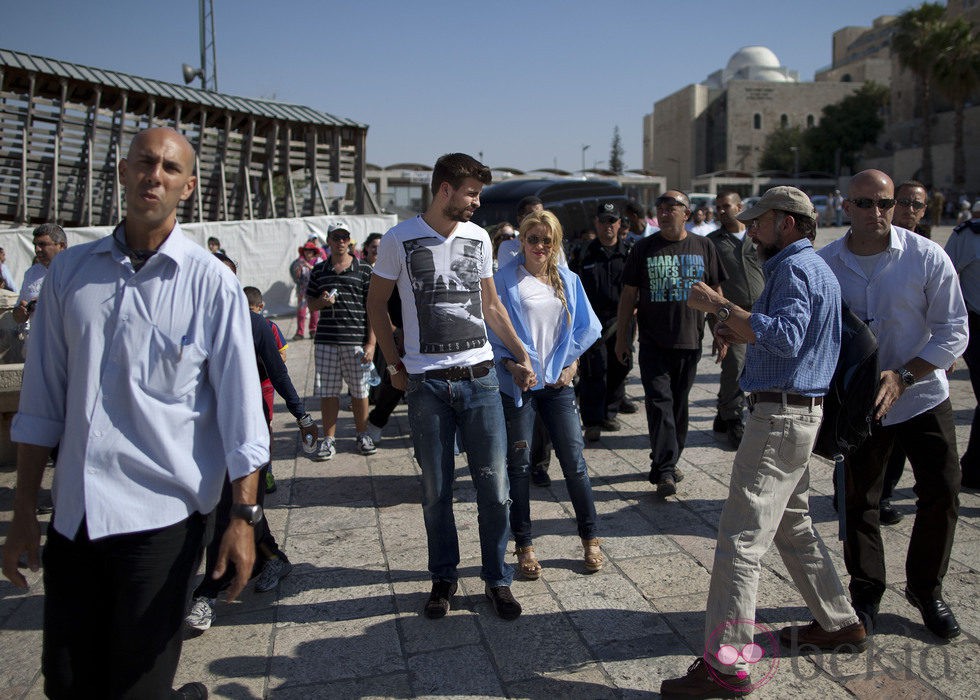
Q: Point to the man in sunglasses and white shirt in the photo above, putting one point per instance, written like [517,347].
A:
[906,288]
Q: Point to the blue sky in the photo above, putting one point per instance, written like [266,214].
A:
[527,83]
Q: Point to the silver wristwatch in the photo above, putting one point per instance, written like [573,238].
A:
[250,513]
[723,313]
[908,379]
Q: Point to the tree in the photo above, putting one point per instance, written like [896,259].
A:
[957,75]
[778,153]
[917,44]
[845,128]
[616,153]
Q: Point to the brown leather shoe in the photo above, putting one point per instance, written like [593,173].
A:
[852,638]
[702,682]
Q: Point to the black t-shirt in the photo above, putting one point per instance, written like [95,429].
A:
[664,271]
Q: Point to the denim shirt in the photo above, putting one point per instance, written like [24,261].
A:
[577,336]
[797,323]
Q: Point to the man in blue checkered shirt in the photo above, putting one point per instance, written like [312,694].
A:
[793,335]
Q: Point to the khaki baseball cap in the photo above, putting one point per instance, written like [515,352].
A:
[781,198]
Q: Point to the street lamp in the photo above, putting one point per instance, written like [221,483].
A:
[584,149]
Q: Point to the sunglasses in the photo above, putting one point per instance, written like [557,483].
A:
[867,203]
[339,237]
[670,202]
[911,203]
[535,240]
[507,237]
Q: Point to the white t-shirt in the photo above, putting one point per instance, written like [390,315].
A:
[543,314]
[33,281]
[439,284]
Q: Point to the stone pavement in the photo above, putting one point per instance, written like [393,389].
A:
[347,622]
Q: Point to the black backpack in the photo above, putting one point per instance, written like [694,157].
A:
[848,410]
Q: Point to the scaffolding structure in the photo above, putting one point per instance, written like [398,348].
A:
[64,127]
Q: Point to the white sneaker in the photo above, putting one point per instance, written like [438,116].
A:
[273,571]
[202,613]
[327,450]
[373,432]
[365,445]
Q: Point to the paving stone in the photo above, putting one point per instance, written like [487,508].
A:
[466,671]
[332,651]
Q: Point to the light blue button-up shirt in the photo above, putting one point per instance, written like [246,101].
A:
[148,382]
[913,304]
[796,323]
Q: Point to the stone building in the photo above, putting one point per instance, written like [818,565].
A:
[722,123]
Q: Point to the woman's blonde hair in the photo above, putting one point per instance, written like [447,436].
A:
[551,224]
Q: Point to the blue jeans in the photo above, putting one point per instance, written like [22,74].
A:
[437,409]
[559,412]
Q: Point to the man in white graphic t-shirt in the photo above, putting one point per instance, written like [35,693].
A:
[442,265]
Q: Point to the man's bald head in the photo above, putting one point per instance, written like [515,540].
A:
[870,203]
[185,147]
[157,174]
[875,179]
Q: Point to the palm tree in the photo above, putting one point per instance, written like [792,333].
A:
[957,76]
[917,46]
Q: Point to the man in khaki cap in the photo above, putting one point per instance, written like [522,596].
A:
[793,336]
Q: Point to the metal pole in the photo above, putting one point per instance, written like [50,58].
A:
[204,51]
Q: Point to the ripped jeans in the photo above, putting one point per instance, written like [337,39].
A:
[559,411]
[437,409]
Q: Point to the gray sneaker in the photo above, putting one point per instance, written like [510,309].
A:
[327,450]
[365,445]
[201,615]
[273,571]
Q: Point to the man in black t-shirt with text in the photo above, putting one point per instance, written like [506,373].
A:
[660,271]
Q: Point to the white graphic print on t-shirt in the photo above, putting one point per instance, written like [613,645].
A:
[450,314]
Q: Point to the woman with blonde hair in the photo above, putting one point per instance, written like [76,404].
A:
[555,322]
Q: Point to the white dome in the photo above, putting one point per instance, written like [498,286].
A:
[751,57]
[770,75]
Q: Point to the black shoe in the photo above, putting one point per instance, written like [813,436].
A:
[627,406]
[611,424]
[888,515]
[736,428]
[720,425]
[666,485]
[190,691]
[936,615]
[539,477]
[504,603]
[867,613]
[592,433]
[438,603]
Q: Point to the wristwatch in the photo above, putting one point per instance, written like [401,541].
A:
[908,379]
[723,313]
[252,514]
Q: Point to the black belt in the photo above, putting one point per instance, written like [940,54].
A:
[455,374]
[789,399]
